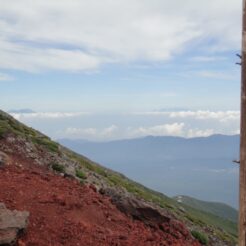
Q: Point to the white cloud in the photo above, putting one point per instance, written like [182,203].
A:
[216,75]
[80,35]
[109,131]
[207,58]
[222,116]
[114,132]
[33,59]
[177,123]
[78,132]
[236,132]
[199,133]
[47,115]
[175,129]
[92,133]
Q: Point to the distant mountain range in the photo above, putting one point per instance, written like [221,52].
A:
[21,111]
[198,167]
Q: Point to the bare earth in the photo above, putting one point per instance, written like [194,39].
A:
[64,212]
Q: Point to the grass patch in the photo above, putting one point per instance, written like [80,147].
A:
[80,174]
[58,167]
[47,143]
[203,218]
[201,237]
[8,125]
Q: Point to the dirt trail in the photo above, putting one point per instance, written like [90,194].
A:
[64,212]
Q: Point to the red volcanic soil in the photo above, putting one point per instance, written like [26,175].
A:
[64,212]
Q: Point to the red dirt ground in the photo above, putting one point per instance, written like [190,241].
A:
[63,212]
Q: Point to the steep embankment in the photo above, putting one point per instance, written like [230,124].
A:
[54,185]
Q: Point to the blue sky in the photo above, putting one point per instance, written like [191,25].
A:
[110,59]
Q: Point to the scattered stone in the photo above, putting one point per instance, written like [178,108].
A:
[3,159]
[10,139]
[68,176]
[12,223]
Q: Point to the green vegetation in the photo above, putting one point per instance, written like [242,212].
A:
[215,208]
[8,125]
[47,143]
[203,218]
[202,238]
[80,174]
[58,167]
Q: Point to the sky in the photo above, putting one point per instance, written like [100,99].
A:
[112,69]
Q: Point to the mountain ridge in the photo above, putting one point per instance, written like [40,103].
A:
[148,137]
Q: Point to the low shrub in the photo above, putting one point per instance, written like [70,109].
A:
[58,167]
[80,174]
[202,238]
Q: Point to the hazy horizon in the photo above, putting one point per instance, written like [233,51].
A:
[113,126]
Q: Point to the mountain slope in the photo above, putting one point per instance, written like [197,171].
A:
[220,209]
[166,163]
[25,149]
[63,212]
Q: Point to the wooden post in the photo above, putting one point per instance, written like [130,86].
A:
[242,198]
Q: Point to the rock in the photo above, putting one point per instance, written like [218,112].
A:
[136,208]
[149,214]
[182,209]
[68,176]
[11,139]
[12,223]
[3,159]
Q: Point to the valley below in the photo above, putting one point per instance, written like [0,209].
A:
[199,167]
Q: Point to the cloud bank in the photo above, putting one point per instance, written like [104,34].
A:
[175,129]
[79,35]
[47,115]
[222,116]
[92,133]
[111,132]
[103,127]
